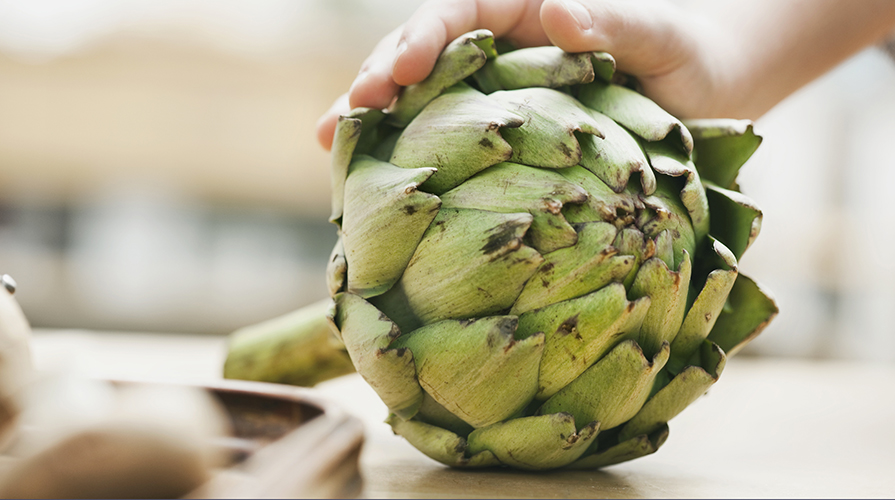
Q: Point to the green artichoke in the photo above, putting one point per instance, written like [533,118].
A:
[537,266]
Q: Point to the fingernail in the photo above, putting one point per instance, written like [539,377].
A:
[579,13]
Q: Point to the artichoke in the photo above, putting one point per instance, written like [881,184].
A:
[537,265]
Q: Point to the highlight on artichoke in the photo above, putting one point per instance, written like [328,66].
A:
[537,266]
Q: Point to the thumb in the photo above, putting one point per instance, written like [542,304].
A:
[647,39]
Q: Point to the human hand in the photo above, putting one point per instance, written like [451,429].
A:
[654,41]
[734,59]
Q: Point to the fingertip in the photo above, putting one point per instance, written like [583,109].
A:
[646,38]
[570,25]
[372,90]
[414,58]
[326,129]
[326,124]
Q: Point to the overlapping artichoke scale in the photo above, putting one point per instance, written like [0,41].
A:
[654,214]
[667,213]
[682,390]
[513,188]
[457,133]
[336,268]
[672,162]
[489,265]
[632,242]
[722,146]
[535,443]
[349,129]
[707,304]
[636,447]
[367,335]
[667,290]
[736,218]
[474,54]
[547,137]
[460,59]
[549,67]
[475,368]
[646,431]
[749,309]
[616,156]
[577,270]
[635,112]
[431,412]
[603,203]
[384,220]
[613,389]
[580,331]
[440,444]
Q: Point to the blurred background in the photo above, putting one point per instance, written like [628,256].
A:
[159,171]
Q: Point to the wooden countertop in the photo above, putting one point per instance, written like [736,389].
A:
[768,428]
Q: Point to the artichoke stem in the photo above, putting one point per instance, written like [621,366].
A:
[298,348]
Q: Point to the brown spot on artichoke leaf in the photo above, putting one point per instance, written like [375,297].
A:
[502,237]
[401,351]
[552,206]
[569,152]
[461,446]
[439,162]
[409,209]
[394,332]
[486,143]
[490,341]
[570,325]
[509,346]
[649,249]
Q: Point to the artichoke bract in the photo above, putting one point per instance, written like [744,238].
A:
[537,265]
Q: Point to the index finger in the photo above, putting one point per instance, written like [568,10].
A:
[438,22]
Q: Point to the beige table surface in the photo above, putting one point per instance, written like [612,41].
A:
[768,428]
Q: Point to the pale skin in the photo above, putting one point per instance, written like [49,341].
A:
[734,59]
